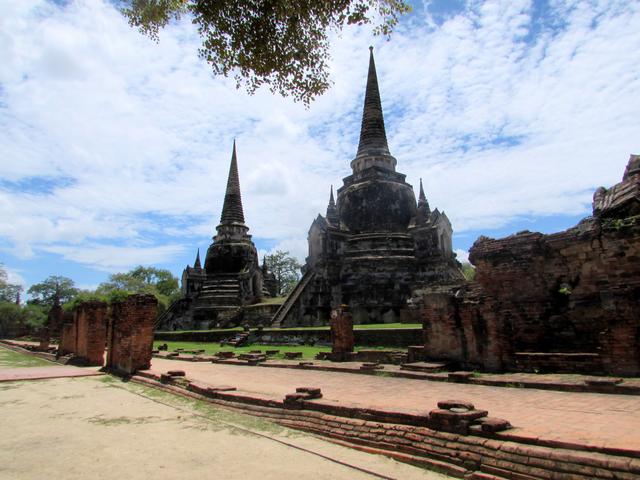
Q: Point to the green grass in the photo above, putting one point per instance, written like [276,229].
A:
[382,326]
[210,348]
[373,326]
[11,359]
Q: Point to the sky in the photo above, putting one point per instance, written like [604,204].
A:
[114,149]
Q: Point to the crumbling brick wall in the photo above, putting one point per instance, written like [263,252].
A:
[90,319]
[131,333]
[576,291]
[67,343]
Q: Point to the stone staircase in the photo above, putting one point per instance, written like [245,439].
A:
[291,299]
[222,291]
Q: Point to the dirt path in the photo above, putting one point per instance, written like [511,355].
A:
[101,428]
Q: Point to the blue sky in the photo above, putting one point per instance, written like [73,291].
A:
[115,149]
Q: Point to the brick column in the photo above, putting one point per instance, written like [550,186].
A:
[67,343]
[131,336]
[342,339]
[91,331]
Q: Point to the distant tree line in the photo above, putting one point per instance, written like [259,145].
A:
[18,319]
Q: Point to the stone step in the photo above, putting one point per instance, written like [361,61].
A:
[424,366]
[217,307]
[232,299]
[220,289]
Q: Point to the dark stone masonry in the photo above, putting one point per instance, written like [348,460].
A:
[214,295]
[376,244]
[565,302]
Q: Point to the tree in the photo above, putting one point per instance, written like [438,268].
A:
[44,292]
[286,270]
[155,281]
[469,271]
[282,44]
[11,319]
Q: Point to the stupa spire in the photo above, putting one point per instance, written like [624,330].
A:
[373,138]
[422,197]
[232,208]
[373,149]
[423,204]
[197,263]
[332,211]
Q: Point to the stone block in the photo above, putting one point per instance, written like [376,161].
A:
[292,355]
[449,404]
[492,425]
[342,338]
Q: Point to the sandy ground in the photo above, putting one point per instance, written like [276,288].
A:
[102,428]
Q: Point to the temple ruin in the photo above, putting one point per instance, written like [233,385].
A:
[564,302]
[376,244]
[231,277]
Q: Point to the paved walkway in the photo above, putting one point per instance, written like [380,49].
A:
[600,420]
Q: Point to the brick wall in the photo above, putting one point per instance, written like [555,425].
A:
[67,339]
[131,333]
[576,291]
[90,319]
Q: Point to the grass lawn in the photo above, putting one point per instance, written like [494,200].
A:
[308,352]
[373,326]
[11,359]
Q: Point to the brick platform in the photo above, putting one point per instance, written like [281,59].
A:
[587,419]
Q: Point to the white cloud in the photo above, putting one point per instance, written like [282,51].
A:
[114,258]
[497,127]
[462,255]
[14,276]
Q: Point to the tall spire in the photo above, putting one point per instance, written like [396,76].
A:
[232,209]
[332,211]
[373,139]
[197,263]
[423,205]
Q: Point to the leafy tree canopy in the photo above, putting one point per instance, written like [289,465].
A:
[142,280]
[469,271]
[286,270]
[282,44]
[155,281]
[43,293]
